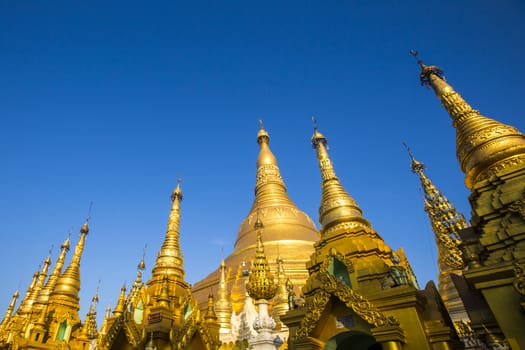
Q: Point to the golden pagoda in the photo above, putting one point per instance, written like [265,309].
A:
[289,233]
[357,291]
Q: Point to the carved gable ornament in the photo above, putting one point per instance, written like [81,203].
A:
[332,281]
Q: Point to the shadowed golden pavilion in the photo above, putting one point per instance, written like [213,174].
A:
[288,285]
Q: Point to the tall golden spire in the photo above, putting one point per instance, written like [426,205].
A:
[210,316]
[104,327]
[336,203]
[445,220]
[223,306]
[169,259]
[90,329]
[9,311]
[260,283]
[269,182]
[137,285]
[120,307]
[446,223]
[280,301]
[484,146]
[43,296]
[32,294]
[237,291]
[68,284]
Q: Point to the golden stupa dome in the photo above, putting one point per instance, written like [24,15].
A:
[288,231]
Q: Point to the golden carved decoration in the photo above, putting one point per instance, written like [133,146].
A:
[260,283]
[445,220]
[519,280]
[329,286]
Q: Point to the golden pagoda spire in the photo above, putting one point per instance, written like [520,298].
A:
[68,284]
[210,312]
[40,323]
[120,307]
[170,259]
[237,293]
[43,295]
[9,312]
[135,288]
[280,306]
[90,329]
[336,204]
[104,328]
[269,183]
[223,306]
[35,287]
[284,222]
[484,146]
[445,220]
[260,283]
[164,297]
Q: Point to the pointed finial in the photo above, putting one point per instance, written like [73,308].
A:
[85,228]
[317,137]
[262,135]
[416,166]
[314,123]
[142,264]
[427,71]
[177,192]
[419,61]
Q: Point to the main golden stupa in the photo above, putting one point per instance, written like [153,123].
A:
[287,285]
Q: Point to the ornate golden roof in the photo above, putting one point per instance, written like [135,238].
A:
[484,146]
[260,283]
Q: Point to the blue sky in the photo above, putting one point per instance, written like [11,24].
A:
[111,102]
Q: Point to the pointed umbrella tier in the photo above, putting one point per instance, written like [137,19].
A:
[288,230]
[169,259]
[68,284]
[484,146]
[336,204]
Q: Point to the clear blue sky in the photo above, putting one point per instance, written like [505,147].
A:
[112,101]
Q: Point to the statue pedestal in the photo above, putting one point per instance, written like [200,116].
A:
[264,326]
